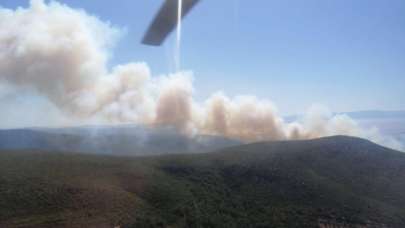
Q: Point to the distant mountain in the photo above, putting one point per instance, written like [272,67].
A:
[376,114]
[337,181]
[359,115]
[118,140]
[388,122]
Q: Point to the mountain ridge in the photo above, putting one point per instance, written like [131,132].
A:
[120,140]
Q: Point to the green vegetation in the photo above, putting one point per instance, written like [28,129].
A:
[339,180]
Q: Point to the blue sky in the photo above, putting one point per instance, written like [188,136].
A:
[348,55]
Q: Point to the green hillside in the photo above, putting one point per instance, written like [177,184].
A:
[344,181]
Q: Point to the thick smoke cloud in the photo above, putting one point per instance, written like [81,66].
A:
[61,53]
[243,117]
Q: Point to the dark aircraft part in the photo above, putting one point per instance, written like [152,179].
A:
[166,20]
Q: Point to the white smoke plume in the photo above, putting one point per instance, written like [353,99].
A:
[61,53]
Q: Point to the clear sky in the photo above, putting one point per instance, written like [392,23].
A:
[348,55]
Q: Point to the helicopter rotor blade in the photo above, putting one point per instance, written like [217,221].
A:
[166,21]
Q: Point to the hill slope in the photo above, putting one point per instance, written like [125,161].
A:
[117,140]
[344,181]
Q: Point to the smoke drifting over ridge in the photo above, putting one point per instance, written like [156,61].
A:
[62,53]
